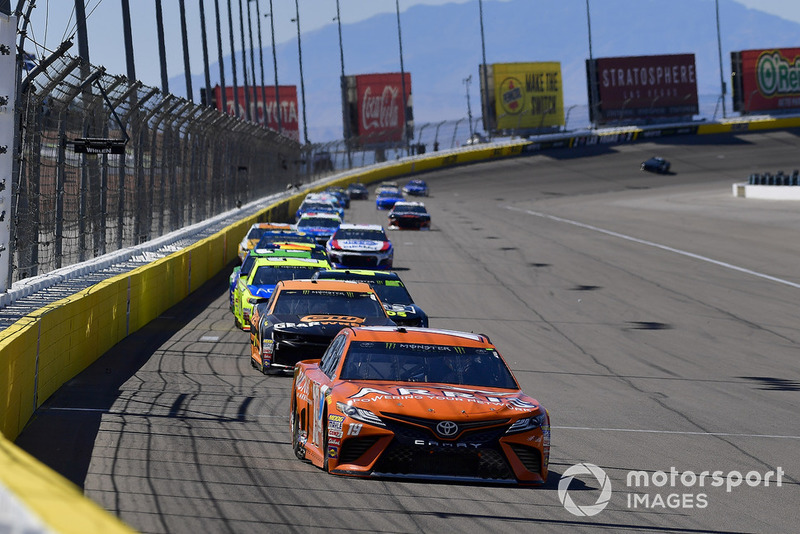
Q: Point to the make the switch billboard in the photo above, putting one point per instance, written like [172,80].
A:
[522,96]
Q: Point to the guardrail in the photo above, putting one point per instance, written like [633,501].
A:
[44,349]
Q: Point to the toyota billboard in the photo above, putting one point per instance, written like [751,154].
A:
[766,80]
[522,96]
[636,88]
[374,113]
[264,112]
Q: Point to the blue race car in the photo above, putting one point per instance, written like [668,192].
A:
[386,198]
[416,188]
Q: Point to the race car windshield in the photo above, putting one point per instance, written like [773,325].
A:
[358,233]
[410,362]
[284,237]
[347,303]
[317,206]
[391,292]
[410,209]
[312,222]
[267,275]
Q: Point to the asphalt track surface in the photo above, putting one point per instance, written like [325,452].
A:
[655,316]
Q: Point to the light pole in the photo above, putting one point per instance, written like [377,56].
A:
[467,81]
[233,61]
[223,95]
[300,58]
[204,37]
[252,64]
[275,67]
[719,48]
[261,61]
[485,104]
[402,74]
[592,71]
[244,64]
[342,82]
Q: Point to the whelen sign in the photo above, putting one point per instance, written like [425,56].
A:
[261,111]
[522,96]
[766,80]
[373,111]
[642,87]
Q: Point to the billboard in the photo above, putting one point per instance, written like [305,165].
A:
[261,111]
[522,96]
[642,87]
[373,111]
[766,80]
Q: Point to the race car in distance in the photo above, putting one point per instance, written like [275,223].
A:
[267,248]
[320,225]
[360,245]
[417,403]
[416,188]
[390,289]
[409,216]
[357,191]
[386,197]
[313,205]
[261,281]
[254,234]
[656,164]
[303,316]
[341,194]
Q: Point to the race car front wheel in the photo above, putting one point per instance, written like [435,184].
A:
[298,448]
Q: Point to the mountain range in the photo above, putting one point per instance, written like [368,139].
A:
[442,48]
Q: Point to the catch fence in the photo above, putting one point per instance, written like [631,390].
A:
[106,163]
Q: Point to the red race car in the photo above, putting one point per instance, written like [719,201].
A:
[405,402]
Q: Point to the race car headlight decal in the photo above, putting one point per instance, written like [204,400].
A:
[386,246]
[359,414]
[527,423]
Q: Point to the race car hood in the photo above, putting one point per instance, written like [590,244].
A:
[436,401]
[261,291]
[323,325]
[360,245]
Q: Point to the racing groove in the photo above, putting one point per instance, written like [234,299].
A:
[655,316]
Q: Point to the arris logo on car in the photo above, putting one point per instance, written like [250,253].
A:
[447,429]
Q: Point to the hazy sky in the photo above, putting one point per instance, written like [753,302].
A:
[53,20]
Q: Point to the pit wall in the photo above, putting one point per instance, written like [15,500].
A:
[48,347]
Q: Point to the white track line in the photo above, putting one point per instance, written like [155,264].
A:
[656,245]
[678,432]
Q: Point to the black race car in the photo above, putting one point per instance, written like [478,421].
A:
[358,191]
[390,289]
[656,164]
[301,318]
[409,216]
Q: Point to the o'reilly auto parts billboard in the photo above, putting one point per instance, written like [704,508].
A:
[766,80]
[522,96]
[642,87]
[373,111]
[261,111]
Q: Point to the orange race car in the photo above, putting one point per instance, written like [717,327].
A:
[406,402]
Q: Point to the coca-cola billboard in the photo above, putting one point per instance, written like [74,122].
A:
[642,87]
[373,108]
[261,111]
[766,80]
